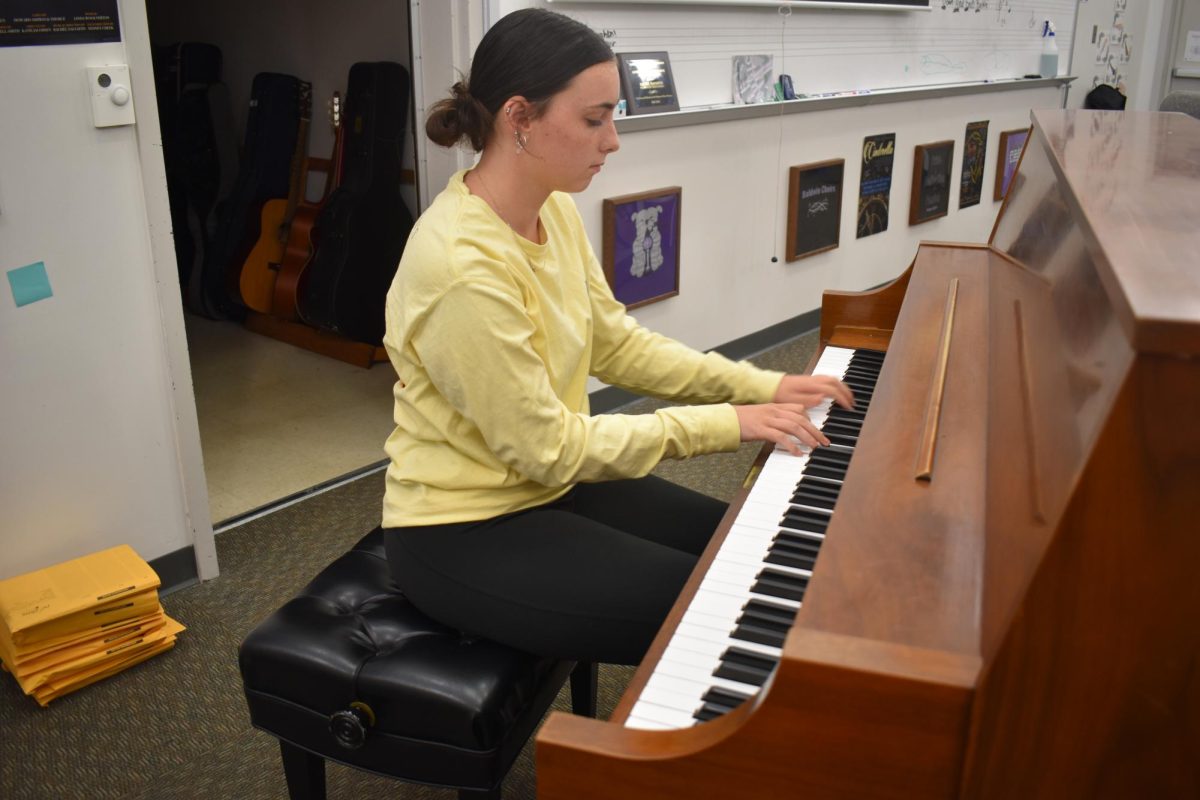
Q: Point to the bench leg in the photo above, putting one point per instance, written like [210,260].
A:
[304,771]
[583,689]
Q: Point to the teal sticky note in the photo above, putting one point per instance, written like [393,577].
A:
[29,284]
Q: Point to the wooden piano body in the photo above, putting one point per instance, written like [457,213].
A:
[1026,621]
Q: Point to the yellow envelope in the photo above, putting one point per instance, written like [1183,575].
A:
[56,689]
[88,621]
[72,653]
[100,579]
[66,674]
[111,630]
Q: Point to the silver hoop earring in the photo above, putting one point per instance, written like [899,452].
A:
[520,141]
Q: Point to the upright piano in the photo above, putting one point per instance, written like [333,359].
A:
[989,585]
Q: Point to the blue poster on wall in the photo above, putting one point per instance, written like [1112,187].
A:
[875,186]
[27,23]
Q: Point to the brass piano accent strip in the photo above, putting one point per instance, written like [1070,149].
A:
[933,412]
[751,476]
[1035,493]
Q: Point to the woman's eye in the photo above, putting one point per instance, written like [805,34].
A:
[595,123]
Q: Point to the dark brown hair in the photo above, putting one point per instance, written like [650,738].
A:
[533,53]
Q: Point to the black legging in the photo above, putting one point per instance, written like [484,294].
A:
[590,577]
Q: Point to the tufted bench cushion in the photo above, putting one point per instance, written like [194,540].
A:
[436,707]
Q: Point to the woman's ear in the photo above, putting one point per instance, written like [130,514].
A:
[517,113]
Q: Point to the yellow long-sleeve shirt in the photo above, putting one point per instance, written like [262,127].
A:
[493,338]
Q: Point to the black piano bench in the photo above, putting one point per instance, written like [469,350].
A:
[350,671]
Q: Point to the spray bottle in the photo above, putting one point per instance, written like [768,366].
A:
[1049,63]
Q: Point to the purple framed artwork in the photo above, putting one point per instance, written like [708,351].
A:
[1012,144]
[641,245]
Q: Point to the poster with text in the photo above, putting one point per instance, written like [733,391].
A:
[875,186]
[26,23]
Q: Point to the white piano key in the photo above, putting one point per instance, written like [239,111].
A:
[648,725]
[698,638]
[674,718]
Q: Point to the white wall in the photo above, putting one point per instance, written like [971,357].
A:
[733,176]
[93,450]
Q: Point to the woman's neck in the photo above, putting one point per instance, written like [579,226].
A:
[498,180]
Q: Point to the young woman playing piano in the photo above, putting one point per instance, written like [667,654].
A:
[511,512]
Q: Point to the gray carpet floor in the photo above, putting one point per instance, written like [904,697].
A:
[177,727]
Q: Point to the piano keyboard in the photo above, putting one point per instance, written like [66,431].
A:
[731,636]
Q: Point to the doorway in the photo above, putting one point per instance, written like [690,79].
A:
[277,420]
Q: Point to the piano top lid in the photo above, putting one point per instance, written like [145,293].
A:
[1133,179]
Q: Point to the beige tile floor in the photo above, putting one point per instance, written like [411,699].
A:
[276,419]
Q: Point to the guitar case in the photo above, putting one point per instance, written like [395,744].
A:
[272,125]
[199,148]
[365,223]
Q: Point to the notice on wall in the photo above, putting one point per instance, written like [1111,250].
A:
[26,23]
[1193,46]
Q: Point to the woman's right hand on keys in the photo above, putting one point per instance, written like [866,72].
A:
[785,424]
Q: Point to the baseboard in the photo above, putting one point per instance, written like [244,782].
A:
[610,398]
[176,570]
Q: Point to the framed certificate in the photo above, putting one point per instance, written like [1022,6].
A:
[646,83]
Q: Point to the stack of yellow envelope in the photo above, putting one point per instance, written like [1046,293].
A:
[77,622]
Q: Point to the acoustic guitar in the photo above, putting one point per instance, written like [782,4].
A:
[257,279]
[302,235]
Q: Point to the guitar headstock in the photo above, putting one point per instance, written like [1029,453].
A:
[335,110]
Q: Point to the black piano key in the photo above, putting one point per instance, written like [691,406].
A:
[825,472]
[802,516]
[812,501]
[724,697]
[768,612]
[744,666]
[833,458]
[790,558]
[780,584]
[842,426]
[754,631]
[840,439]
[818,487]
[708,712]
[795,536]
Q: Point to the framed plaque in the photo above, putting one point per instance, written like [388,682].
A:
[875,185]
[1012,144]
[970,188]
[641,245]
[814,208]
[646,83]
[931,181]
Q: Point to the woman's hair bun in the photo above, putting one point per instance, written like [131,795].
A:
[457,117]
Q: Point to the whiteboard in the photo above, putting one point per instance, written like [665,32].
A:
[830,50]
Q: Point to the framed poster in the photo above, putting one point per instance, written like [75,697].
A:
[641,245]
[814,208]
[25,23]
[875,185]
[970,188]
[931,181]
[1012,144]
[646,83]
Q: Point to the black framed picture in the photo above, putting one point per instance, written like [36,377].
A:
[814,208]
[641,245]
[646,83]
[970,188]
[932,164]
[875,184]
